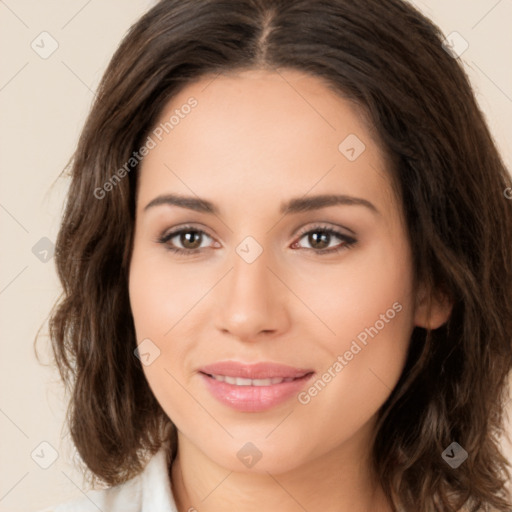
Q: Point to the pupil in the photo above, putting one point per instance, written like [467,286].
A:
[187,239]
[319,237]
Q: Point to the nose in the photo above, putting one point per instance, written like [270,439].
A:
[251,301]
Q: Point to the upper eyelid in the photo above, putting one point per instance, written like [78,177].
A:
[176,231]
[323,226]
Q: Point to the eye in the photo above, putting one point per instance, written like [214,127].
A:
[320,238]
[188,240]
[188,237]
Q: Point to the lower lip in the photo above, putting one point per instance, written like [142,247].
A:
[254,398]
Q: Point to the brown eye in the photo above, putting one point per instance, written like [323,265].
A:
[320,239]
[190,239]
[187,240]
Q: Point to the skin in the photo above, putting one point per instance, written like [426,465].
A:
[255,139]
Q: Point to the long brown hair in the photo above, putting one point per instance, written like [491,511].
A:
[389,59]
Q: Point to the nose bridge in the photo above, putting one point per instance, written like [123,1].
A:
[250,277]
[250,301]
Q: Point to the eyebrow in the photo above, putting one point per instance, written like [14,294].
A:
[294,205]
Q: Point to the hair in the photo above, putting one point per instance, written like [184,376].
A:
[389,59]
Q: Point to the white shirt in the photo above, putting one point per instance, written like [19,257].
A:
[150,491]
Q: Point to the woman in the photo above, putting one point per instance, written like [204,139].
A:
[287,267]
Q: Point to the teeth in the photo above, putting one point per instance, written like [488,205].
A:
[239,381]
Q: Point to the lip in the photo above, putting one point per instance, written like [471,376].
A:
[250,398]
[262,370]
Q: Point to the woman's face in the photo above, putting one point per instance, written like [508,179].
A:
[293,253]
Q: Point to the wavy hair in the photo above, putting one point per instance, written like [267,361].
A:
[389,59]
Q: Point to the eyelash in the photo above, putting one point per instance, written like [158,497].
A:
[348,242]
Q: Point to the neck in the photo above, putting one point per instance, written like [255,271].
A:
[337,481]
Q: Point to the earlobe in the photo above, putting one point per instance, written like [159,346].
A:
[432,310]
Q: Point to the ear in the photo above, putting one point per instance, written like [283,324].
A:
[432,309]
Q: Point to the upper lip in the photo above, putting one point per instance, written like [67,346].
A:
[261,370]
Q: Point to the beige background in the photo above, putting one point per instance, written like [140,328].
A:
[44,103]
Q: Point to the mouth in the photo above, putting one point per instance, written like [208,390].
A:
[240,381]
[253,387]
[254,371]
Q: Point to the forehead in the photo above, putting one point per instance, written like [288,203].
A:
[260,132]
[258,103]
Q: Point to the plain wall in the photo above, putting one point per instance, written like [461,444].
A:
[44,103]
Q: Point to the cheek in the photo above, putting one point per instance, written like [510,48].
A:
[352,295]
[154,313]
[161,294]
[370,311]
[367,306]
[161,298]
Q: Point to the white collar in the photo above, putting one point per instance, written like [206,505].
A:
[156,485]
[150,491]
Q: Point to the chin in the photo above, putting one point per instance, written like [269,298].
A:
[258,456]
